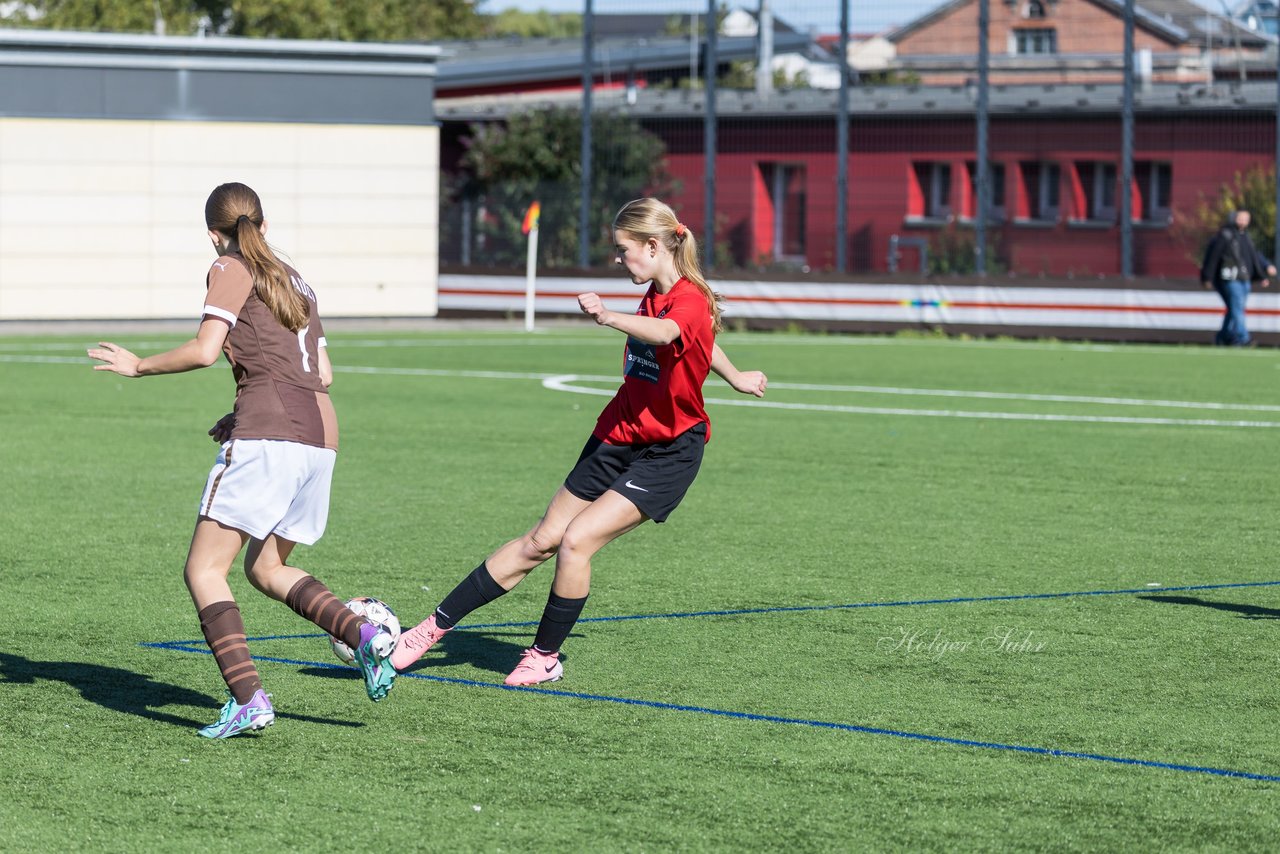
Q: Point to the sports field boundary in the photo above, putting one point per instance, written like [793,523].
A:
[195,646]
[571,383]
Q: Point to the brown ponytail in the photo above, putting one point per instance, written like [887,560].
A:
[645,218]
[235,211]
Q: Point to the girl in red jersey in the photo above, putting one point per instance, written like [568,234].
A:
[643,454]
[270,485]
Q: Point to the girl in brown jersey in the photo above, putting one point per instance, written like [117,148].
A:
[270,485]
[644,452]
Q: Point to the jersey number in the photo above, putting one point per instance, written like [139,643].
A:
[302,346]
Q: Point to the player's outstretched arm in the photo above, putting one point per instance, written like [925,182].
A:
[650,330]
[747,382]
[200,352]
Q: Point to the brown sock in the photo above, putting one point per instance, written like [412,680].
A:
[224,632]
[313,601]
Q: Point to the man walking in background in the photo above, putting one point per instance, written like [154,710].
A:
[1231,264]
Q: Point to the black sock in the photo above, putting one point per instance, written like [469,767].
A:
[557,621]
[475,590]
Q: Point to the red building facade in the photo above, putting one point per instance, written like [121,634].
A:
[1074,41]
[1055,155]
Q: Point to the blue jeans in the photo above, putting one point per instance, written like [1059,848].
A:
[1233,333]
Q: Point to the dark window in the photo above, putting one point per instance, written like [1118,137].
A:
[786,183]
[1040,182]
[996,173]
[934,180]
[1155,186]
[1098,180]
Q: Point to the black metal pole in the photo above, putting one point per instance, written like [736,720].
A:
[588,79]
[709,142]
[983,176]
[842,146]
[1126,149]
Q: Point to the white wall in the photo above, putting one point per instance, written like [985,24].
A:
[105,219]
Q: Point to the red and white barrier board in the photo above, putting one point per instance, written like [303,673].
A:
[930,304]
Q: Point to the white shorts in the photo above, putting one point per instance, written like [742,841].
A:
[268,486]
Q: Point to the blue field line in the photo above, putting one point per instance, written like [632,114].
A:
[181,646]
[795,609]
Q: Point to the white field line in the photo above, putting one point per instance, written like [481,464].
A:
[405,343]
[853,389]
[51,360]
[347,369]
[566,383]
[1054,398]
[440,372]
[512,339]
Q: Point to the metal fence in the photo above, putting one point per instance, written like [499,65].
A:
[1067,138]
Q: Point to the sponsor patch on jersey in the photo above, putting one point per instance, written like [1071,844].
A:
[641,361]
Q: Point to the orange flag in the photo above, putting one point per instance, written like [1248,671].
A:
[531,218]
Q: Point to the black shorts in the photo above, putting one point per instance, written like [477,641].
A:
[652,477]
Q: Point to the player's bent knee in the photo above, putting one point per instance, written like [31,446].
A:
[540,546]
[578,545]
[196,576]
[259,573]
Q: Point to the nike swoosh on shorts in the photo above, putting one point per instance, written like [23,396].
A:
[631,485]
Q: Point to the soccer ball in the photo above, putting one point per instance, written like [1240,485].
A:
[375,611]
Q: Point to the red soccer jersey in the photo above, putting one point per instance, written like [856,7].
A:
[661,394]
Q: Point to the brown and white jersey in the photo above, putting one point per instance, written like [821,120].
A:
[278,390]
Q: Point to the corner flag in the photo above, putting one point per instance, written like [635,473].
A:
[531,218]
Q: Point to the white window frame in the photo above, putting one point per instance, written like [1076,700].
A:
[1033,39]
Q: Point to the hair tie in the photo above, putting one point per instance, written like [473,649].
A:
[680,230]
[243,216]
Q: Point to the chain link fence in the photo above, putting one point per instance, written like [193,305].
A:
[1067,138]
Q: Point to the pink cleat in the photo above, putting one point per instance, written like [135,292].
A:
[414,643]
[537,667]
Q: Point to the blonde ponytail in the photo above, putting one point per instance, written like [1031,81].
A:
[270,279]
[649,218]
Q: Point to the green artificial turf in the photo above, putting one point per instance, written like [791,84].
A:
[774,722]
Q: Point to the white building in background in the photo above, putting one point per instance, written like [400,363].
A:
[871,53]
[110,144]
[817,69]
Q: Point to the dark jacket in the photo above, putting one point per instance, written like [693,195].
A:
[1231,256]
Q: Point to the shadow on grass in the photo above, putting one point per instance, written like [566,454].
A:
[124,691]
[110,687]
[1247,612]
[481,649]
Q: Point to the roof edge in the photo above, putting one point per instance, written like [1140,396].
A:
[226,46]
